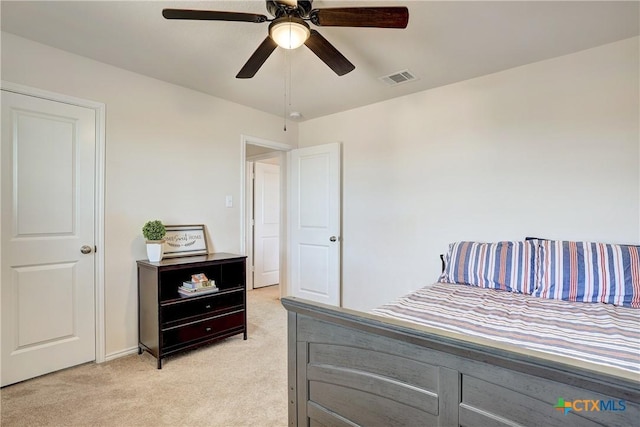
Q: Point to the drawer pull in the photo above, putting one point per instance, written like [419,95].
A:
[208,306]
[208,329]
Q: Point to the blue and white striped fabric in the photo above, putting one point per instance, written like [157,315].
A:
[589,272]
[509,266]
[603,334]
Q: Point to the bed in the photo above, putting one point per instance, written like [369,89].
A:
[390,368]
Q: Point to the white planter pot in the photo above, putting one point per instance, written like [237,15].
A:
[155,250]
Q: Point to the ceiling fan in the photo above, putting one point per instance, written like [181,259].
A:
[289,28]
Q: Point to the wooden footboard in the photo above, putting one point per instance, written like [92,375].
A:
[348,368]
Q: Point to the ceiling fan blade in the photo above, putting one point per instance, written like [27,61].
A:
[377,17]
[257,59]
[328,54]
[212,15]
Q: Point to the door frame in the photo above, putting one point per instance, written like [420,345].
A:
[245,223]
[100,112]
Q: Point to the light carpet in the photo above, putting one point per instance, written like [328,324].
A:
[229,383]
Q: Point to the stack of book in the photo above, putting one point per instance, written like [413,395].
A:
[198,285]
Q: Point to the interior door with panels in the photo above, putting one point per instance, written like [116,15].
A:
[47,231]
[267,225]
[314,223]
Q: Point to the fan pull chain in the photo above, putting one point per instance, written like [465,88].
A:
[290,78]
[284,106]
[289,64]
[287,87]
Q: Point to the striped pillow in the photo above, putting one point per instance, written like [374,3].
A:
[509,266]
[589,272]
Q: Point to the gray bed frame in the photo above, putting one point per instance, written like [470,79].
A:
[348,368]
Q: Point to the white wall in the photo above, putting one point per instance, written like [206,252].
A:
[171,154]
[550,149]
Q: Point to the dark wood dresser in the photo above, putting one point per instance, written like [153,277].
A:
[169,323]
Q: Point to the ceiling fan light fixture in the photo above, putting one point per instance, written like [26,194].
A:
[289,32]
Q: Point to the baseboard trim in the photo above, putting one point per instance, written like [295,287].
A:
[121,353]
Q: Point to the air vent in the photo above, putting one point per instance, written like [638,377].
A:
[400,77]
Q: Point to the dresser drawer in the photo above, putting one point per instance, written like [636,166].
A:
[203,329]
[192,308]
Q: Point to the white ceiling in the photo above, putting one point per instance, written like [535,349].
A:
[445,42]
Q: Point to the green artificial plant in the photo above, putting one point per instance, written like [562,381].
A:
[154,230]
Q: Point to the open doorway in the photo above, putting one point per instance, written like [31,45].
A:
[264,233]
[264,217]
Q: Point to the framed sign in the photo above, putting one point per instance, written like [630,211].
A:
[185,240]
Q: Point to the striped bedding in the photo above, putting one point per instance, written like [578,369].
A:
[603,334]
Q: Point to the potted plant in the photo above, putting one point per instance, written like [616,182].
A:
[154,232]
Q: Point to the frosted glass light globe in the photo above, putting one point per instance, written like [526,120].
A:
[289,33]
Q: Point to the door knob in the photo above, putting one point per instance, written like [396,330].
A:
[85,249]
[333,238]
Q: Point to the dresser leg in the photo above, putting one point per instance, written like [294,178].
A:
[139,350]
[245,335]
[159,363]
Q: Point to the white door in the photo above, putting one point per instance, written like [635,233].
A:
[267,225]
[48,155]
[315,223]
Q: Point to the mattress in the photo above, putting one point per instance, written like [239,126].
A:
[598,333]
